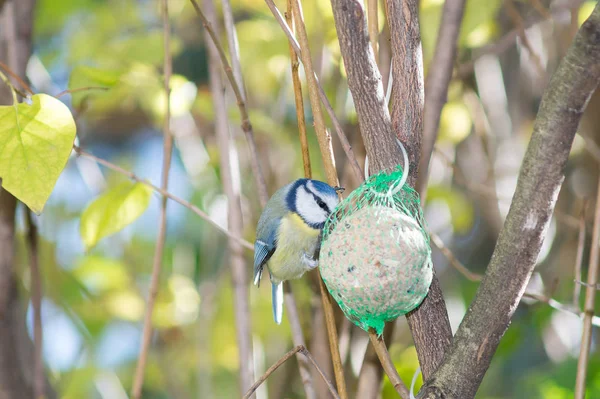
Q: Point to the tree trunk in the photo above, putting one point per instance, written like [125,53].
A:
[16,349]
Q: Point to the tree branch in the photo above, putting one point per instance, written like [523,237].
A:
[371,371]
[138,381]
[364,82]
[436,84]
[429,323]
[388,365]
[521,238]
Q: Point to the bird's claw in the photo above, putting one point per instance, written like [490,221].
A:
[310,262]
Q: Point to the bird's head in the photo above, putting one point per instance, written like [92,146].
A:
[313,201]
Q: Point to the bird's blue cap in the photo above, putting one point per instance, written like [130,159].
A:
[320,186]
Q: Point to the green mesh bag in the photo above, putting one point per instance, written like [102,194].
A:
[375,256]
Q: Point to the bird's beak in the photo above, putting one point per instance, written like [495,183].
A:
[339,189]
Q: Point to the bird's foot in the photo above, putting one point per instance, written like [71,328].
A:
[310,262]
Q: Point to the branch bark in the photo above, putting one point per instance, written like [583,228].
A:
[364,81]
[429,323]
[521,238]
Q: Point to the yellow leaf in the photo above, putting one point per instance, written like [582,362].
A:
[35,143]
[112,211]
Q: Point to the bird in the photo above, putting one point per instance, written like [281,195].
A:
[288,233]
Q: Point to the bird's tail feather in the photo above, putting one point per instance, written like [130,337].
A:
[277,298]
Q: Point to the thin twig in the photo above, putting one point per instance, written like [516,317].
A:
[489,192]
[437,82]
[298,339]
[323,135]
[517,20]
[289,16]
[373,24]
[321,92]
[17,78]
[597,286]
[88,88]
[292,311]
[502,44]
[475,277]
[232,190]
[437,241]
[579,258]
[162,227]
[332,179]
[388,365]
[554,304]
[165,193]
[290,302]
[237,88]
[285,358]
[541,9]
[13,90]
[39,389]
[588,310]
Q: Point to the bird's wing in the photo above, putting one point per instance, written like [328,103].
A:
[263,249]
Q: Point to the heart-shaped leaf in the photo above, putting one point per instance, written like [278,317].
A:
[112,211]
[35,142]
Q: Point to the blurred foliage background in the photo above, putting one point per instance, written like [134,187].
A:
[94,300]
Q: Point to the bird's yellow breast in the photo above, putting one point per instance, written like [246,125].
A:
[294,239]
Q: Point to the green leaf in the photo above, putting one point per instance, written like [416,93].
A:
[35,143]
[112,211]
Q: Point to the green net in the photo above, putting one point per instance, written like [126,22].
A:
[375,256]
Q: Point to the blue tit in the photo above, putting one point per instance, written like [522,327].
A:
[288,233]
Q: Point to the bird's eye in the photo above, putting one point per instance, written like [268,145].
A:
[322,205]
